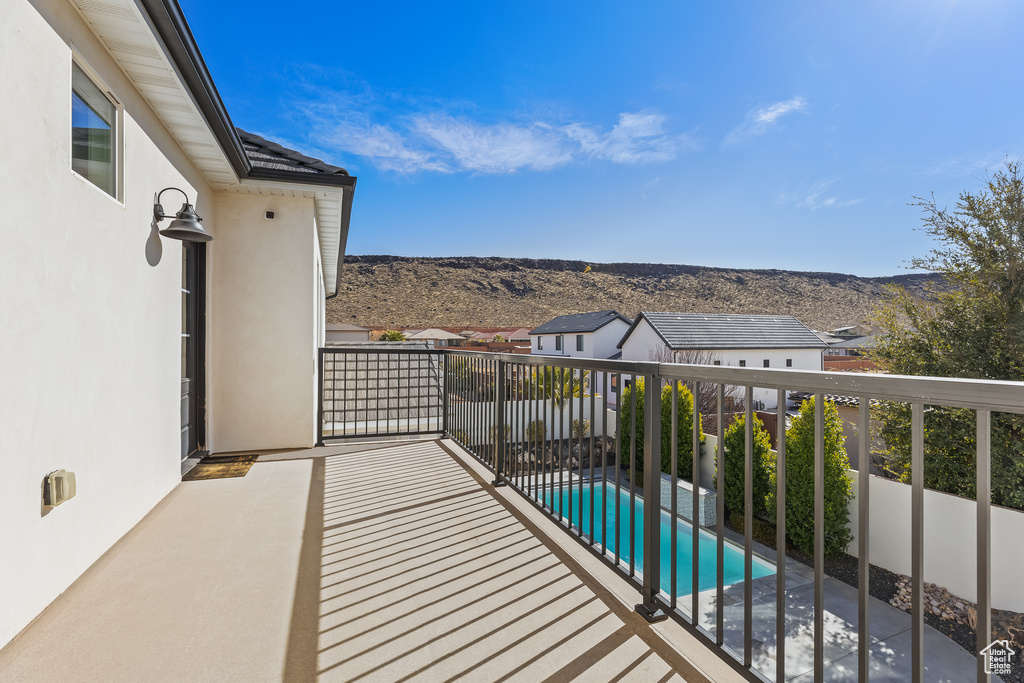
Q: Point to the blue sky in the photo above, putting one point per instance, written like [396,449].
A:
[755,135]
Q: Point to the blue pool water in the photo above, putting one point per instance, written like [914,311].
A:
[605,499]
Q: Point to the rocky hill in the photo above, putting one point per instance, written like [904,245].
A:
[393,291]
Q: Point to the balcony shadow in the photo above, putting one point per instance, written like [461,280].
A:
[437,578]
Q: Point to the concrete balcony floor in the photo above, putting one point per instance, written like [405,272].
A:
[392,561]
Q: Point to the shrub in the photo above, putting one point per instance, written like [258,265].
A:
[735,442]
[800,482]
[684,437]
[580,428]
[494,432]
[536,431]
[392,335]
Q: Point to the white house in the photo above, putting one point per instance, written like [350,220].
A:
[762,341]
[128,353]
[582,335]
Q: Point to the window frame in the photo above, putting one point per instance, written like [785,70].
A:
[767,363]
[558,342]
[540,342]
[579,342]
[743,363]
[789,362]
[117,141]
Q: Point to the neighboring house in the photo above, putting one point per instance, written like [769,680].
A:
[859,330]
[127,355]
[341,333]
[520,335]
[761,341]
[582,335]
[439,338]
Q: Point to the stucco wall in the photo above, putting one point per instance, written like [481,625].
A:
[264,324]
[950,540]
[89,329]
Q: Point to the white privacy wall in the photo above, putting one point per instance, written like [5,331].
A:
[89,330]
[950,540]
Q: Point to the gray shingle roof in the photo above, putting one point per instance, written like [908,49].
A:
[579,322]
[867,342]
[727,331]
[266,154]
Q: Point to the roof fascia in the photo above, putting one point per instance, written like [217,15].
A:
[640,316]
[346,218]
[169,25]
[168,22]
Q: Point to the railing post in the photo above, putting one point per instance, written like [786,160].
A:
[650,610]
[321,383]
[499,424]
[444,394]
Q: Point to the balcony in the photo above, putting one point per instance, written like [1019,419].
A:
[435,535]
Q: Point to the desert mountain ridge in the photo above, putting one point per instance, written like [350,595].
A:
[469,291]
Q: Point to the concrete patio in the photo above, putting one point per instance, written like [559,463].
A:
[376,562]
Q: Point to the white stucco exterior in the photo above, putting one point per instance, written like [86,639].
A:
[598,344]
[644,344]
[91,314]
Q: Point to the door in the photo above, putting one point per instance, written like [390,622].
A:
[193,403]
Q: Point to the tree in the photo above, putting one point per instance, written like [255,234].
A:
[392,335]
[800,482]
[708,391]
[734,442]
[558,384]
[498,338]
[974,329]
[684,426]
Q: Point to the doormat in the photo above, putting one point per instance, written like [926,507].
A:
[221,467]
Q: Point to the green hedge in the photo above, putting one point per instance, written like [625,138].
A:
[800,482]
[734,443]
[684,436]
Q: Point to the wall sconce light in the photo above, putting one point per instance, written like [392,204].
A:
[185,225]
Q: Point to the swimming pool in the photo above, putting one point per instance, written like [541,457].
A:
[605,499]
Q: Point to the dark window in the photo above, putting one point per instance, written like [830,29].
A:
[718,362]
[558,342]
[540,343]
[767,363]
[743,363]
[579,342]
[789,362]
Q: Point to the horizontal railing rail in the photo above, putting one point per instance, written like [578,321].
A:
[572,436]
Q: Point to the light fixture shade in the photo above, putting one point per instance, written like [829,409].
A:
[187,227]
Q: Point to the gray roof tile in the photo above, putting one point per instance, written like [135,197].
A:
[727,331]
[266,154]
[579,322]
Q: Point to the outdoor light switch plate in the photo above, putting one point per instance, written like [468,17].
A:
[60,487]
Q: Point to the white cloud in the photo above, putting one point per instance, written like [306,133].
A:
[397,133]
[969,164]
[817,197]
[637,138]
[758,121]
[498,148]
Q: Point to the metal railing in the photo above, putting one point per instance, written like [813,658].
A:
[379,392]
[516,414]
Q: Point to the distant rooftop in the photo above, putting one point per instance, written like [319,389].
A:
[266,154]
[727,331]
[579,322]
